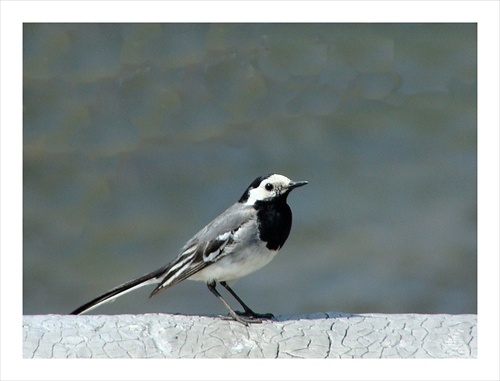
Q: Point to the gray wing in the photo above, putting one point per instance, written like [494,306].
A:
[231,219]
[206,247]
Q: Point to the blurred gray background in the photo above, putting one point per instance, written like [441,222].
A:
[137,135]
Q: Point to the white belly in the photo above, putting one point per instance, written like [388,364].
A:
[235,265]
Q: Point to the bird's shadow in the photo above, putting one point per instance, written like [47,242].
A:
[290,318]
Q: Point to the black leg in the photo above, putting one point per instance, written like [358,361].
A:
[242,319]
[248,311]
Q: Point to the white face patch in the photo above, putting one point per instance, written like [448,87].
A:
[268,188]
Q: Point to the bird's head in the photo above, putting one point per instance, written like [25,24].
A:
[268,188]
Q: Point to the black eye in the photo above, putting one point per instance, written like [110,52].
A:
[269,187]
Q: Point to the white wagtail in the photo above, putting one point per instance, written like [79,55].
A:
[244,238]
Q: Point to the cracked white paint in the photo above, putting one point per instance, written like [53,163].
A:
[323,335]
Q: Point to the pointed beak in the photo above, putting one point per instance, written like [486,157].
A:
[296,184]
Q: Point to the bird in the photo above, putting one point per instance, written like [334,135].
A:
[242,239]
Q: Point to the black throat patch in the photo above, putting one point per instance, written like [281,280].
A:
[275,221]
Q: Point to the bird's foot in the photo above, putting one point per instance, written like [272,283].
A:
[256,315]
[248,317]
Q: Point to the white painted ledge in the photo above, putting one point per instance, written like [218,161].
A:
[322,335]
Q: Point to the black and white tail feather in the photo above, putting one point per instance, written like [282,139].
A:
[241,240]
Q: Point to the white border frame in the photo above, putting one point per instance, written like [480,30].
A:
[14,13]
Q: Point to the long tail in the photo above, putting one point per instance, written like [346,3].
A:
[114,293]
